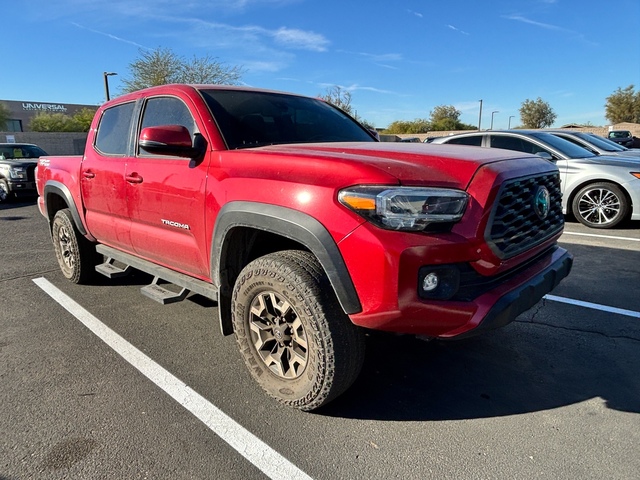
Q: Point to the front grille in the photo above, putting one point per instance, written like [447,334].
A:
[515,226]
[31,173]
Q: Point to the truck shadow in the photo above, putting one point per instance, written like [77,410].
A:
[522,368]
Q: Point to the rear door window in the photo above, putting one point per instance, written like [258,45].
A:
[475,140]
[114,130]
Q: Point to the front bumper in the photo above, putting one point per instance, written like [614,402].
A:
[498,302]
[22,187]
[521,298]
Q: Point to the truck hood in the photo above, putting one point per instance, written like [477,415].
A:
[15,162]
[409,163]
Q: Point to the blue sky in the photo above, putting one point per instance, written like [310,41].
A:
[399,59]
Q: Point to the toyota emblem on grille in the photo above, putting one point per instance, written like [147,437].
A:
[542,202]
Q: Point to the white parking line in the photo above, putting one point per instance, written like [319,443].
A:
[270,462]
[594,306]
[601,236]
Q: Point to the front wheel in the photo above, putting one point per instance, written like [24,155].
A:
[600,205]
[4,191]
[295,339]
[76,256]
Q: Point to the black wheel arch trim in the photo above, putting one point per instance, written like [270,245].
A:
[53,187]
[294,225]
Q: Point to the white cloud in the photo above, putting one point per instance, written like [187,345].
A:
[299,39]
[457,30]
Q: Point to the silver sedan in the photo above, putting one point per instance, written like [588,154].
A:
[599,190]
[596,144]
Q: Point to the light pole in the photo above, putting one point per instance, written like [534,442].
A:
[106,76]
[509,127]
[480,115]
[495,111]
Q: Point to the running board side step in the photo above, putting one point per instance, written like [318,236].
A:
[163,295]
[108,269]
[155,291]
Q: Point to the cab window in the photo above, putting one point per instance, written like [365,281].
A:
[114,130]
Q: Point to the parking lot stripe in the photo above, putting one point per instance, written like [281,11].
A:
[601,236]
[594,306]
[270,462]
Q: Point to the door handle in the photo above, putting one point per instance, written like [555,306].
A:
[133,178]
[88,174]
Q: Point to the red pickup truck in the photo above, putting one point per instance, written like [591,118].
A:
[303,227]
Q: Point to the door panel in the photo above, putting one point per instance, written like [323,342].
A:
[102,178]
[166,197]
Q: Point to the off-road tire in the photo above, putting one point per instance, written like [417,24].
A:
[77,256]
[600,205]
[288,295]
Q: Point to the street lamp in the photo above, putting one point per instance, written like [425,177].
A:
[512,116]
[480,115]
[495,111]
[106,76]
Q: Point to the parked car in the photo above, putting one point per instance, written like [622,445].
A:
[599,190]
[596,144]
[614,143]
[622,137]
[17,164]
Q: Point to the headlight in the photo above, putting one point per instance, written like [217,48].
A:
[18,172]
[405,208]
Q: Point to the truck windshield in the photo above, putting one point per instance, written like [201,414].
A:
[17,152]
[251,119]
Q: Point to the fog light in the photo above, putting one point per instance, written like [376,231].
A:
[430,282]
[439,282]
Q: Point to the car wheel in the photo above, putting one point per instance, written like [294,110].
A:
[4,191]
[296,341]
[76,256]
[600,205]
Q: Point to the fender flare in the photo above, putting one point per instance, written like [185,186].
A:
[293,225]
[53,187]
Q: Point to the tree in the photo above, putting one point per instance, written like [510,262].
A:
[60,122]
[5,114]
[338,97]
[83,118]
[419,125]
[447,117]
[536,114]
[53,122]
[162,66]
[623,106]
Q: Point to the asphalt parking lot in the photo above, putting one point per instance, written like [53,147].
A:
[99,382]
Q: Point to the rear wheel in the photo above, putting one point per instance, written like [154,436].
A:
[295,339]
[77,257]
[600,205]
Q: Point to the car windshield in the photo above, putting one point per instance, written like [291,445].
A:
[17,152]
[600,142]
[251,119]
[611,143]
[619,134]
[568,149]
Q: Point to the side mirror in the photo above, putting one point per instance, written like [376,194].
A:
[173,140]
[545,155]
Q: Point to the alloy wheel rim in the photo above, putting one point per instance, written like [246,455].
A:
[278,335]
[66,251]
[599,206]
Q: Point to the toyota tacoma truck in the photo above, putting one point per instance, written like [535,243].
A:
[303,228]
